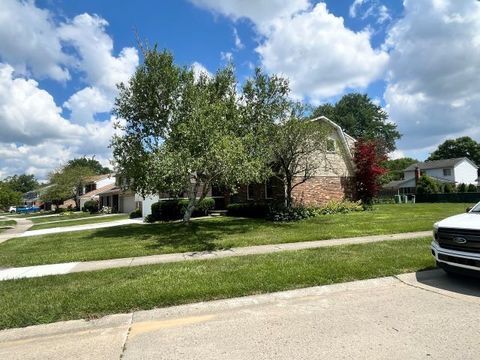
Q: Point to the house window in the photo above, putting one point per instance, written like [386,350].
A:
[268,189]
[331,145]
[250,191]
[447,172]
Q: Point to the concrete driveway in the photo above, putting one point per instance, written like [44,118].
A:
[427,315]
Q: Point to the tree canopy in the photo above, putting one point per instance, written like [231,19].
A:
[22,183]
[92,163]
[455,148]
[184,133]
[395,168]
[297,145]
[8,196]
[362,119]
[65,183]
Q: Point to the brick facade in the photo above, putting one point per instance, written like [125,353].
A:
[321,189]
[314,192]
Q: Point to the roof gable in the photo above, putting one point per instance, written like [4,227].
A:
[439,164]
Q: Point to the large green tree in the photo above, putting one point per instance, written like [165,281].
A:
[461,147]
[299,146]
[91,163]
[361,118]
[22,183]
[184,133]
[65,183]
[8,196]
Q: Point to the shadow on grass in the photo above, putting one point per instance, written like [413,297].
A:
[199,235]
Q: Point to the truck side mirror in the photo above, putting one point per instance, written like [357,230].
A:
[468,209]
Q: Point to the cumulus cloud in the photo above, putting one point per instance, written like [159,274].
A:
[309,45]
[36,136]
[199,69]
[369,8]
[29,114]
[321,56]
[29,41]
[261,13]
[433,90]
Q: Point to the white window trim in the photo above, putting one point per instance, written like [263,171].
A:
[448,169]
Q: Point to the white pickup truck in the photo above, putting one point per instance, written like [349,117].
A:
[456,242]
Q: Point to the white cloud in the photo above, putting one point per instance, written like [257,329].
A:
[353,8]
[103,70]
[262,13]
[320,56]
[370,8]
[433,90]
[87,102]
[226,56]
[199,69]
[309,45]
[36,137]
[238,42]
[29,114]
[29,41]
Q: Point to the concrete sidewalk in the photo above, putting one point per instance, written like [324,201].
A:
[22,226]
[411,316]
[73,267]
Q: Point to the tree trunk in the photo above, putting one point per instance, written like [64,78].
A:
[288,192]
[192,201]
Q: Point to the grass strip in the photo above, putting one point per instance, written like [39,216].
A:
[80,221]
[216,233]
[94,294]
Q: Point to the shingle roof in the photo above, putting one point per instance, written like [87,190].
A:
[437,164]
[98,191]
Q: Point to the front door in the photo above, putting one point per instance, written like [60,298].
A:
[115,204]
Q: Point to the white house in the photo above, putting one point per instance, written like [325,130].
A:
[454,171]
[93,186]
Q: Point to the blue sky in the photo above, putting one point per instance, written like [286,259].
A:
[60,60]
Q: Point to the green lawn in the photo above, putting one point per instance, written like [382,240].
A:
[77,220]
[6,224]
[93,294]
[216,233]
[63,216]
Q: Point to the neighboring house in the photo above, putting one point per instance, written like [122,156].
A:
[453,171]
[93,186]
[32,198]
[333,181]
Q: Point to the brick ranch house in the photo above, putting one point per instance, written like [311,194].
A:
[332,181]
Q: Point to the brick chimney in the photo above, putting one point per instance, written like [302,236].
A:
[417,175]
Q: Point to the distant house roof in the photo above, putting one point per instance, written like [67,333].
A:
[96,178]
[95,192]
[438,164]
[396,184]
[114,190]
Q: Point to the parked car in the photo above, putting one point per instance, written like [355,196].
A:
[456,242]
[12,209]
[26,209]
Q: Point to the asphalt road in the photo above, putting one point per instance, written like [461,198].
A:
[427,315]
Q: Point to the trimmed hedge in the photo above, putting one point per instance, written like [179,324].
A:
[90,206]
[167,210]
[249,210]
[137,213]
[448,198]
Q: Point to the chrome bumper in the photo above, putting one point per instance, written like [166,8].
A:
[461,256]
